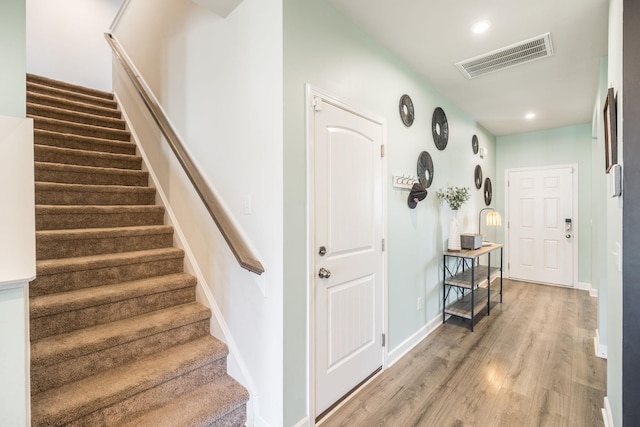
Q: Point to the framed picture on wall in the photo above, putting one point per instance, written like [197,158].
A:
[610,131]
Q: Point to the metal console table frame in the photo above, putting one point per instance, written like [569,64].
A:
[466,276]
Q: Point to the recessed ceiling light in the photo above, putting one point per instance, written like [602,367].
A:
[530,116]
[480,27]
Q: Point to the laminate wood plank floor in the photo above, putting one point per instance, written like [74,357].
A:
[530,363]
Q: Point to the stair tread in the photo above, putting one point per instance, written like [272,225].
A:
[87,153]
[95,188]
[53,266]
[71,105]
[98,209]
[223,396]
[42,110]
[88,140]
[89,169]
[74,400]
[70,127]
[104,232]
[69,87]
[46,305]
[54,349]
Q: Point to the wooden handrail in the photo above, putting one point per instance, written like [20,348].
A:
[236,243]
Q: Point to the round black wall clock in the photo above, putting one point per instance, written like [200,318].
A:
[477,176]
[406,110]
[425,169]
[488,192]
[440,128]
[474,145]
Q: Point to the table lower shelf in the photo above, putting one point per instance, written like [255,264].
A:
[463,279]
[462,307]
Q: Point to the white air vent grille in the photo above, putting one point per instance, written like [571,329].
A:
[507,57]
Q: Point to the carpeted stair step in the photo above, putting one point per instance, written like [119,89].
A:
[51,193]
[63,126]
[65,358]
[66,140]
[226,398]
[89,175]
[67,274]
[109,397]
[69,311]
[52,217]
[55,244]
[99,101]
[59,84]
[70,156]
[85,118]
[70,105]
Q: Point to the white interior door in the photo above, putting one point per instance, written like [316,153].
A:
[541,224]
[348,217]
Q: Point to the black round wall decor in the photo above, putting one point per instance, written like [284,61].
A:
[488,192]
[440,128]
[406,110]
[425,169]
[474,144]
[477,176]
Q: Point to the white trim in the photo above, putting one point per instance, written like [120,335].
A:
[607,416]
[217,321]
[310,93]
[583,286]
[600,349]
[407,345]
[302,423]
[575,208]
[593,293]
[17,283]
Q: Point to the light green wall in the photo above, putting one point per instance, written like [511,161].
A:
[561,146]
[323,48]
[12,70]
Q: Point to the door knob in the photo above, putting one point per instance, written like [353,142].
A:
[324,273]
[568,236]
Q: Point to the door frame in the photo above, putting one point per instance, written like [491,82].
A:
[311,93]
[574,207]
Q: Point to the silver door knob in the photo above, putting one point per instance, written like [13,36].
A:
[324,273]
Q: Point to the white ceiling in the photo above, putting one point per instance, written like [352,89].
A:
[431,36]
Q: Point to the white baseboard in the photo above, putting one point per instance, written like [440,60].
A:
[302,423]
[593,293]
[408,344]
[606,413]
[601,350]
[584,286]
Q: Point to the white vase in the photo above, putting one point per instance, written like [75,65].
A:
[454,233]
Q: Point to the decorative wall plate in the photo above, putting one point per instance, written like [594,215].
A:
[477,176]
[474,144]
[488,192]
[440,128]
[425,169]
[406,110]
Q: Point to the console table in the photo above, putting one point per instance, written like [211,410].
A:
[463,273]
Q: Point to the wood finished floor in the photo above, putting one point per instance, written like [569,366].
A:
[530,363]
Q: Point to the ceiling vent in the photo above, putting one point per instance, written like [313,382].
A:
[507,57]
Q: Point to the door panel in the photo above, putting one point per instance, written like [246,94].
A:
[348,223]
[539,203]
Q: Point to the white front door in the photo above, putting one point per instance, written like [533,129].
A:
[348,217]
[541,225]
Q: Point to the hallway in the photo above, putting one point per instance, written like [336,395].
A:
[531,363]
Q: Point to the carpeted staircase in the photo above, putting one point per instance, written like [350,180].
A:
[117,337]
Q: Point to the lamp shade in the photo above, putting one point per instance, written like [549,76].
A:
[494,219]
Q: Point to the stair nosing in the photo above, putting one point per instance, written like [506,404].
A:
[57,110]
[96,338]
[90,169]
[71,125]
[92,262]
[43,97]
[44,209]
[51,304]
[87,139]
[61,85]
[94,188]
[104,232]
[100,390]
[89,153]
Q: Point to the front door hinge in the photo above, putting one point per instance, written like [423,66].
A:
[384,340]
[317,104]
[382,245]
[382,150]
